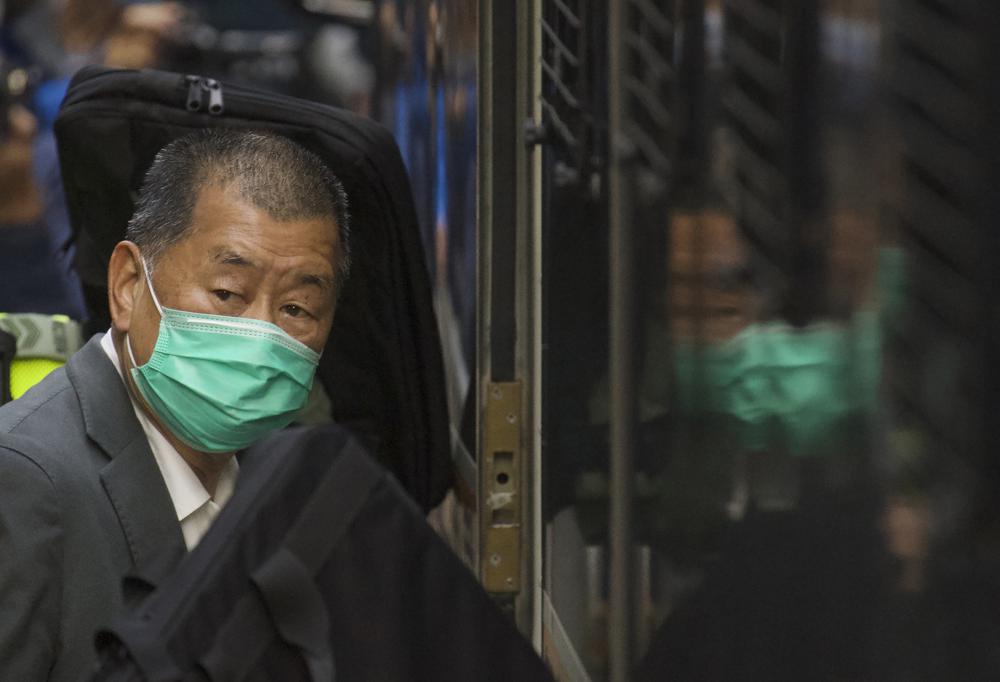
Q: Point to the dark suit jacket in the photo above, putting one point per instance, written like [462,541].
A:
[82,503]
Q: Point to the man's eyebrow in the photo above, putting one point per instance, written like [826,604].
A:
[316,280]
[233,258]
[227,257]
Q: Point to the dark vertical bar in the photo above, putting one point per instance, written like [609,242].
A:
[8,347]
[692,145]
[806,188]
[988,15]
[622,318]
[503,324]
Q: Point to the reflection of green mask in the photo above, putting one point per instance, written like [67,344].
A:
[221,383]
[779,380]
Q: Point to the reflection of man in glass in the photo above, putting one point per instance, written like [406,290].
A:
[765,499]
[785,387]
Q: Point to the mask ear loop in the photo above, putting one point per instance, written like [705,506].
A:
[149,285]
[156,302]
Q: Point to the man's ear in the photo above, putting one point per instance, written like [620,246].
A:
[125,279]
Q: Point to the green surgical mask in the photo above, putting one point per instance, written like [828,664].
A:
[221,383]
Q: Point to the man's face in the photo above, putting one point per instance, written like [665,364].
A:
[237,260]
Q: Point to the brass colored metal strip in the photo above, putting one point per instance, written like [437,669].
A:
[500,492]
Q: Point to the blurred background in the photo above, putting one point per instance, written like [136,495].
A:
[716,282]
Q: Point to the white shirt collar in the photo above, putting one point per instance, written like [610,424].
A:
[186,491]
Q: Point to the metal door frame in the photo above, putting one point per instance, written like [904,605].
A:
[509,558]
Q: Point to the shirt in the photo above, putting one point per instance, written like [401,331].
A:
[195,508]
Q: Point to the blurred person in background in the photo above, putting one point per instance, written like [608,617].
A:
[272,45]
[56,38]
[32,277]
[231,40]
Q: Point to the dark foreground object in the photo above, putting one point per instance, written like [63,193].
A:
[319,568]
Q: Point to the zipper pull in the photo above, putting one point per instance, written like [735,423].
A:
[194,93]
[214,89]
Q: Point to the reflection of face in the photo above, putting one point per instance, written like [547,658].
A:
[237,260]
[707,297]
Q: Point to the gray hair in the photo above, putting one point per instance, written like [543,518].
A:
[271,173]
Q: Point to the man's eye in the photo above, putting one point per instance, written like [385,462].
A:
[222,294]
[293,310]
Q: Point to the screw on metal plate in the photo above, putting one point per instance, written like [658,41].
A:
[495,559]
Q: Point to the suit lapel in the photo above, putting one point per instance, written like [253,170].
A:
[131,478]
[136,489]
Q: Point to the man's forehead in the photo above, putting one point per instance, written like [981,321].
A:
[220,206]
[264,191]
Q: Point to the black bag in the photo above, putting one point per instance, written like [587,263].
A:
[319,568]
[382,366]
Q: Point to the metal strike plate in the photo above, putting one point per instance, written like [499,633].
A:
[500,489]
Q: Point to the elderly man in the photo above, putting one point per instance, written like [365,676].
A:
[221,298]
